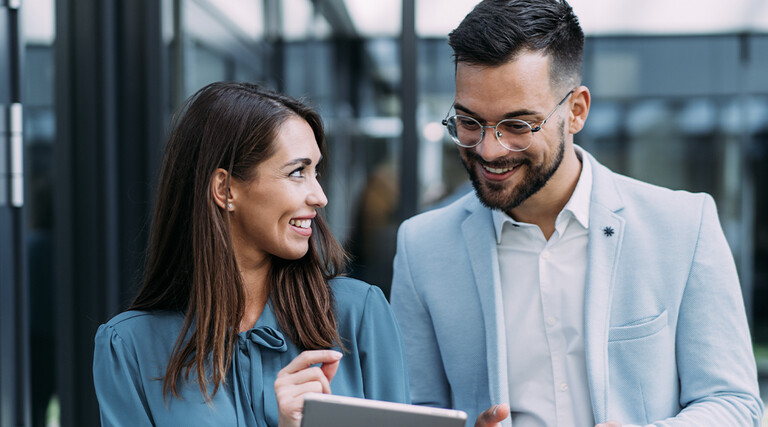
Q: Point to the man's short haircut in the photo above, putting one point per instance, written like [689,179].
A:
[496,31]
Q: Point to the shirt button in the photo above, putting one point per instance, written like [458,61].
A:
[564,387]
[545,254]
[551,321]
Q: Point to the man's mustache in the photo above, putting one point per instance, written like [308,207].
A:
[504,163]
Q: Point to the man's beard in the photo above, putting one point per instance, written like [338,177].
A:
[498,195]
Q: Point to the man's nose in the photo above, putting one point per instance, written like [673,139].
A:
[490,148]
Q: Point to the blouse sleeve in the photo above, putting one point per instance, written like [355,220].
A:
[118,382]
[382,356]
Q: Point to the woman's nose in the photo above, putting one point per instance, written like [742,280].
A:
[316,196]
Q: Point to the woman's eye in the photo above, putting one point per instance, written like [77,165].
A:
[297,173]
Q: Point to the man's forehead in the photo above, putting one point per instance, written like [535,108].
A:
[521,83]
[529,61]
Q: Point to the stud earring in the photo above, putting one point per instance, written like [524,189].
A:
[230,206]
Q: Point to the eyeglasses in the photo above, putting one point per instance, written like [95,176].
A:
[512,134]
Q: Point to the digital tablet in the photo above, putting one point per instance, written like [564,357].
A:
[326,410]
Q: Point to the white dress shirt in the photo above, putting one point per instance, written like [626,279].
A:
[543,283]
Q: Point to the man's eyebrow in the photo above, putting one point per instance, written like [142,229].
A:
[509,115]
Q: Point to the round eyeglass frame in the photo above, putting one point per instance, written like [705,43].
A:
[450,122]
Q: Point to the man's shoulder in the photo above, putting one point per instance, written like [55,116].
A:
[451,214]
[635,193]
[641,194]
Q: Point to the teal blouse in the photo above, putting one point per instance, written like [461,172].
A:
[133,350]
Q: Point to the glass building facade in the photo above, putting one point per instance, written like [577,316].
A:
[87,88]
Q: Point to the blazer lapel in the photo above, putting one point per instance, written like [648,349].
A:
[480,239]
[606,229]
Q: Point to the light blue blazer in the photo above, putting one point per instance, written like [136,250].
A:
[666,336]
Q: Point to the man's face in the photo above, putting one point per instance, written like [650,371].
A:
[519,89]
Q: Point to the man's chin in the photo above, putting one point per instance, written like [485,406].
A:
[492,199]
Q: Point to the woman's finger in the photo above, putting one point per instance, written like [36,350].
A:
[311,374]
[295,394]
[329,369]
[309,358]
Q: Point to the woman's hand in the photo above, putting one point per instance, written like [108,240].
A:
[299,378]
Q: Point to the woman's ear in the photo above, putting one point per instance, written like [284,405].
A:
[579,109]
[219,190]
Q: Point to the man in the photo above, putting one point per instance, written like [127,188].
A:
[560,293]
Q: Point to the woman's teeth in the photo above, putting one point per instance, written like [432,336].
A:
[301,223]
[497,171]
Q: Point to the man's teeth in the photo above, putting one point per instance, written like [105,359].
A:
[497,171]
[302,223]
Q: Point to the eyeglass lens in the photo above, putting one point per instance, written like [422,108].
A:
[512,134]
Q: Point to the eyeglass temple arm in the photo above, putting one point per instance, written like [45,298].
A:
[445,119]
[538,128]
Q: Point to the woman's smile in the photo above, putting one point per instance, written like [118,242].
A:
[303,225]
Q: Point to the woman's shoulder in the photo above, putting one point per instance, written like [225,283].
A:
[356,300]
[137,327]
[347,290]
[133,320]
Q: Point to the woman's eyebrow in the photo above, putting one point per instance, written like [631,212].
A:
[302,161]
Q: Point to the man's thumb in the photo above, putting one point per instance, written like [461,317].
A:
[493,416]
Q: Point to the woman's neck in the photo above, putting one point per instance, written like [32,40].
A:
[256,294]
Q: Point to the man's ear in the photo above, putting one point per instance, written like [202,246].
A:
[580,101]
[219,190]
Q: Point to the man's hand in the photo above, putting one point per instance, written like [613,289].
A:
[610,424]
[299,378]
[492,416]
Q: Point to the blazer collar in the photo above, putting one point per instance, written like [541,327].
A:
[606,232]
[479,236]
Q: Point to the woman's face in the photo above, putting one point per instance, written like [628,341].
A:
[274,212]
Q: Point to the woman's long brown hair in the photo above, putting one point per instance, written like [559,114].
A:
[191,265]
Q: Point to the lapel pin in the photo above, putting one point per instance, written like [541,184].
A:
[608,231]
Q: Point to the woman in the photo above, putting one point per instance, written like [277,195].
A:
[239,314]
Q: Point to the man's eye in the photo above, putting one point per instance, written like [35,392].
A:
[468,124]
[516,126]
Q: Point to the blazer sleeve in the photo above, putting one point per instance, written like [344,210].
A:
[429,384]
[382,357]
[718,378]
[116,378]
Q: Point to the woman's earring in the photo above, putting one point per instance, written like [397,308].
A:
[230,206]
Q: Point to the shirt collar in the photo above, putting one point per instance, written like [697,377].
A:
[577,206]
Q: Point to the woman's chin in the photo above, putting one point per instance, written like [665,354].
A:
[293,254]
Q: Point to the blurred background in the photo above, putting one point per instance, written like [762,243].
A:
[680,99]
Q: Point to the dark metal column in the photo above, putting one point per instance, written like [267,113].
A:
[748,162]
[275,46]
[14,300]
[110,96]
[409,153]
[84,201]
[143,82]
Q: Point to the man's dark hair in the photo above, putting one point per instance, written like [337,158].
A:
[496,31]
